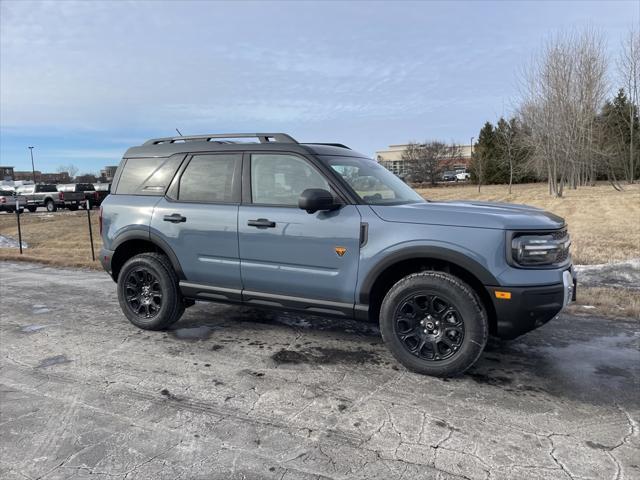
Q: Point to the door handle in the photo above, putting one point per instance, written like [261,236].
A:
[261,223]
[175,218]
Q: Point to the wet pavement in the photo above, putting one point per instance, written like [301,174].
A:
[234,392]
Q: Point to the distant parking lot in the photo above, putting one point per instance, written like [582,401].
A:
[240,393]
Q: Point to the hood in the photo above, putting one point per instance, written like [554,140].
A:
[504,216]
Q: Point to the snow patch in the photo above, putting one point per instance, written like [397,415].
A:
[10,242]
[619,274]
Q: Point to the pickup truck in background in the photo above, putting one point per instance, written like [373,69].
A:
[102,191]
[74,195]
[43,195]
[8,200]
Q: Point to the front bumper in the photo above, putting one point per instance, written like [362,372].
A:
[531,307]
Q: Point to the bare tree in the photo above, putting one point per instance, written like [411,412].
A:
[71,169]
[426,161]
[563,91]
[629,71]
[506,132]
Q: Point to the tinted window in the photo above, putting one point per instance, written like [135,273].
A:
[280,179]
[46,188]
[147,176]
[209,178]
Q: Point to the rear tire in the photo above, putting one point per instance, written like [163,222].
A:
[73,207]
[32,209]
[434,324]
[149,293]
[50,206]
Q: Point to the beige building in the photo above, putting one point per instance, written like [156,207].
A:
[108,172]
[391,158]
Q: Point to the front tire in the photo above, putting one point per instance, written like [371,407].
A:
[434,324]
[149,293]
[32,209]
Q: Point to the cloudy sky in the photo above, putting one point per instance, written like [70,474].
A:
[83,81]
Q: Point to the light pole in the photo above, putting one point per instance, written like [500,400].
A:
[33,168]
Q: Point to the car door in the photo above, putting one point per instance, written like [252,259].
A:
[198,219]
[290,258]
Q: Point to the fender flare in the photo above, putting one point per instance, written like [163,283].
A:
[143,233]
[424,251]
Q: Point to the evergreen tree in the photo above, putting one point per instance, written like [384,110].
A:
[482,167]
[615,138]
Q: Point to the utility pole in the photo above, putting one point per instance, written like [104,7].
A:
[33,168]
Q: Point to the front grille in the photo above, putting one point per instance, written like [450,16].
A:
[562,235]
[559,234]
[562,256]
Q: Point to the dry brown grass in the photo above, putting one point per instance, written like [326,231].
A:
[607,301]
[604,223]
[61,238]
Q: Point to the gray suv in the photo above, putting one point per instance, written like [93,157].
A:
[321,229]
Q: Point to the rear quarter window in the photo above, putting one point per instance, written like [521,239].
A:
[146,176]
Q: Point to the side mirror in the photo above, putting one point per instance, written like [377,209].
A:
[317,199]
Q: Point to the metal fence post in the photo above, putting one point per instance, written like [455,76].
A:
[88,205]
[19,228]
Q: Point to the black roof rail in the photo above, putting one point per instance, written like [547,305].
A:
[262,137]
[341,145]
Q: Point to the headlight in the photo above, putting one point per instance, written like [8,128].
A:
[530,250]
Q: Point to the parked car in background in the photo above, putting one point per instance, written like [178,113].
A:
[42,195]
[73,194]
[90,194]
[9,199]
[449,176]
[102,190]
[462,176]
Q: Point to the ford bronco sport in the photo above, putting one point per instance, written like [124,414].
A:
[320,229]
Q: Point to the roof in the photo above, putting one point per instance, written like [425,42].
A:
[268,142]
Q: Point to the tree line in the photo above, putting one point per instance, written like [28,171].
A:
[566,128]
[565,131]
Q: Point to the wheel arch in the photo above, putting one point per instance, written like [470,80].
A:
[415,259]
[140,241]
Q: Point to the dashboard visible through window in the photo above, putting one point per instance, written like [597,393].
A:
[280,179]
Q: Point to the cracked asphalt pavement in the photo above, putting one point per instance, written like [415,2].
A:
[233,393]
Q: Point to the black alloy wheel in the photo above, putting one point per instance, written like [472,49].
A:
[149,291]
[429,326]
[143,293]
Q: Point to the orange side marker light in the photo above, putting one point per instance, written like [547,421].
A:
[503,295]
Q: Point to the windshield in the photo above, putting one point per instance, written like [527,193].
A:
[373,183]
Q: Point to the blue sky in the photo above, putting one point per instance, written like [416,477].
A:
[83,81]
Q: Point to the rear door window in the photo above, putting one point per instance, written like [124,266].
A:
[211,179]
